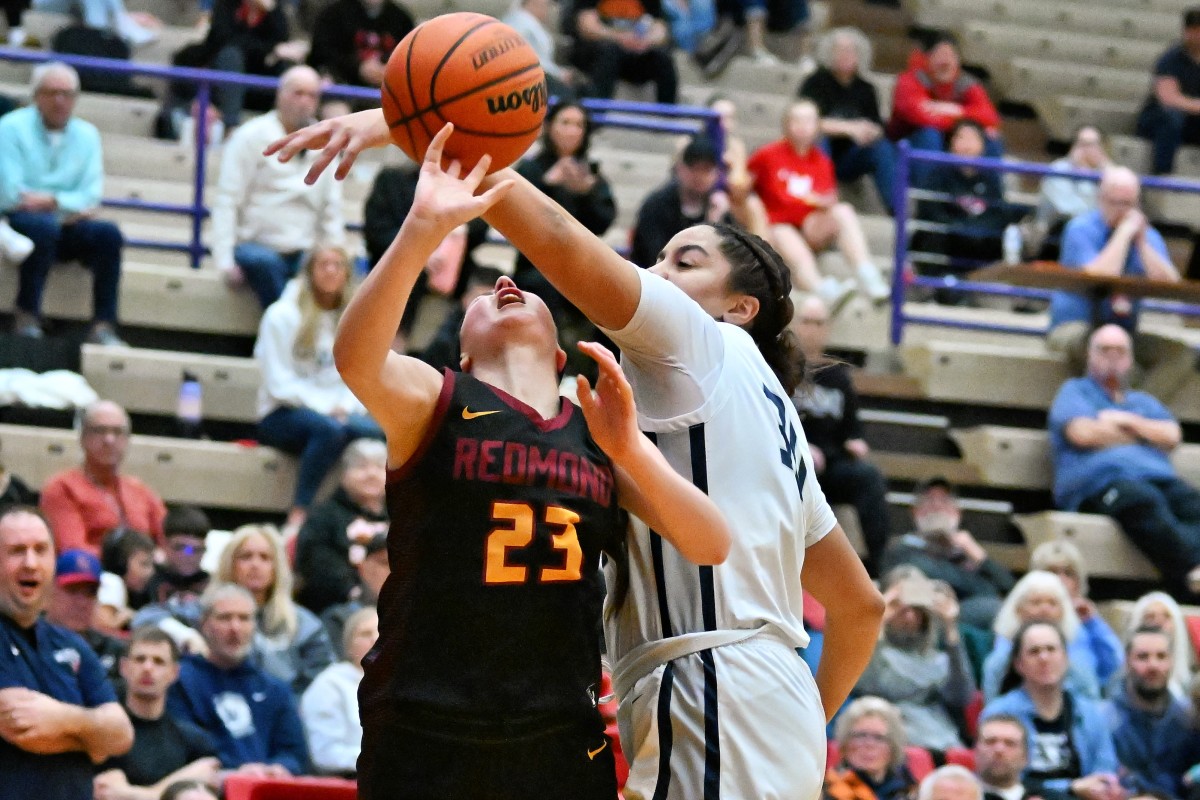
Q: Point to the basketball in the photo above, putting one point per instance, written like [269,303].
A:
[474,71]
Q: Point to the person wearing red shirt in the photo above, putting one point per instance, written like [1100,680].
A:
[84,503]
[795,180]
[932,95]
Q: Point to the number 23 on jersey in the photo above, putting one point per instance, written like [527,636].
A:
[515,529]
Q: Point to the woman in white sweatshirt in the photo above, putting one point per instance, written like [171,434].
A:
[329,707]
[304,408]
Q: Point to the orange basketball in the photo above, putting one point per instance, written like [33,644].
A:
[474,71]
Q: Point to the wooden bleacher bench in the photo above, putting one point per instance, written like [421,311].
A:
[959,371]
[1062,114]
[1066,15]
[1026,79]
[1106,550]
[993,42]
[1136,153]
[211,474]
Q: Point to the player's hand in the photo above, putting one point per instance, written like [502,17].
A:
[344,136]
[443,199]
[608,408]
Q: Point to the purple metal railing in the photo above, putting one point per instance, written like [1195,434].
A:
[605,113]
[900,280]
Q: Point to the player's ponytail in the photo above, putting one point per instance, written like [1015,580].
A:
[757,270]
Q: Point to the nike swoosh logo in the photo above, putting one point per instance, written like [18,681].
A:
[469,414]
[593,753]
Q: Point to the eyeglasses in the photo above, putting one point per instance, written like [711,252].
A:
[869,736]
[119,431]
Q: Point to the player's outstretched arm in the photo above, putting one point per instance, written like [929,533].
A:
[835,575]
[646,484]
[401,392]
[345,136]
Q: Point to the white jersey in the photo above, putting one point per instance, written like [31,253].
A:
[721,418]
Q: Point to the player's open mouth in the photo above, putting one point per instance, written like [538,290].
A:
[509,295]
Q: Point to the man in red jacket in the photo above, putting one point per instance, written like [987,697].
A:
[934,94]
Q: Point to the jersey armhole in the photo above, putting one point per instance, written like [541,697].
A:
[435,423]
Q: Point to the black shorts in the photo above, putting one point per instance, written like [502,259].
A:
[405,761]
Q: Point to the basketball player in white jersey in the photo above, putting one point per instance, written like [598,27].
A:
[715,700]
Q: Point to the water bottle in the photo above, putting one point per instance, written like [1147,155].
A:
[188,411]
[1012,245]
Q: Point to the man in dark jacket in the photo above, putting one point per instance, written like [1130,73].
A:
[690,198]
[353,39]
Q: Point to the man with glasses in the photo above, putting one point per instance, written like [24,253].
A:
[1113,240]
[84,503]
[51,177]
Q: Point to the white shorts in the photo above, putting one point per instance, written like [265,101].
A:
[740,721]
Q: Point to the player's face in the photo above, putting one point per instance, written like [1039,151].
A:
[693,261]
[801,125]
[149,670]
[566,131]
[1150,662]
[229,630]
[506,317]
[1042,661]
[363,639]
[26,567]
[254,566]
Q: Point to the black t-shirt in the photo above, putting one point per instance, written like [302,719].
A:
[1177,64]
[856,101]
[1052,752]
[161,746]
[829,409]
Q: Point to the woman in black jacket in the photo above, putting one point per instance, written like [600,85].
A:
[334,537]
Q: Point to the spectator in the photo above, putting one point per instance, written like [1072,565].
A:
[1063,198]
[73,606]
[165,749]
[796,182]
[179,581]
[58,714]
[1071,750]
[14,12]
[969,209]
[136,27]
[690,197]
[1111,447]
[531,19]
[1063,558]
[1041,597]
[248,37]
[334,537]
[250,715]
[14,248]
[944,551]
[690,22]
[51,178]
[289,643]
[828,405]
[265,217]
[443,351]
[920,665]
[1171,115]
[745,206]
[870,737]
[1151,727]
[627,41]
[1159,610]
[127,557]
[329,707]
[1116,239]
[1001,755]
[372,571]
[932,95]
[849,106]
[564,170]
[353,39]
[14,491]
[950,782]
[304,408]
[84,503]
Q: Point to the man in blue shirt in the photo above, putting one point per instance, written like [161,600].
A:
[1111,448]
[1152,729]
[51,177]
[58,713]
[1115,239]
[250,715]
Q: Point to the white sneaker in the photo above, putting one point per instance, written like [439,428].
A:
[14,246]
[835,293]
[17,37]
[873,283]
[764,58]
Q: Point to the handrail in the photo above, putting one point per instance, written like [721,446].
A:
[901,280]
[611,113]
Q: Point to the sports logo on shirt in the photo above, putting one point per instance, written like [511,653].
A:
[235,714]
[69,656]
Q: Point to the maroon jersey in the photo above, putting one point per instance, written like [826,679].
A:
[492,608]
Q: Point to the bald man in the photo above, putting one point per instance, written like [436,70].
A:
[1111,447]
[1116,239]
[264,217]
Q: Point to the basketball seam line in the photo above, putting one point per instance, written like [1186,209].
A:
[416,115]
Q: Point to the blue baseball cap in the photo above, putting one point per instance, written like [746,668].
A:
[76,566]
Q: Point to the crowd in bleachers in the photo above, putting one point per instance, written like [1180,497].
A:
[202,654]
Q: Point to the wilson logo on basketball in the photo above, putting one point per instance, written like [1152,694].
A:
[480,58]
[533,96]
